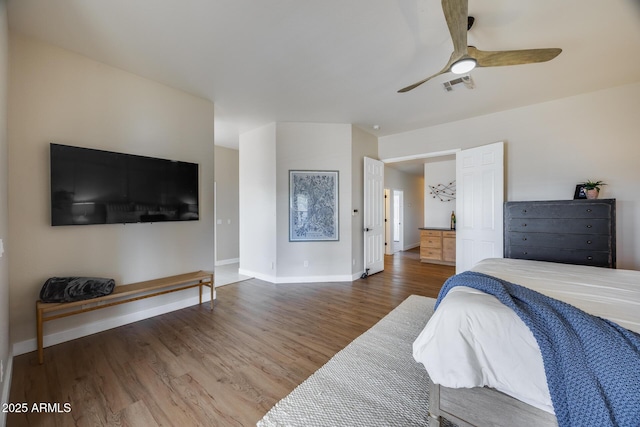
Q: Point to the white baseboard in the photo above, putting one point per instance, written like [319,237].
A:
[356,276]
[228,261]
[259,276]
[29,345]
[314,279]
[6,387]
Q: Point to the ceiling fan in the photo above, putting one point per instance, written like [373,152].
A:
[465,58]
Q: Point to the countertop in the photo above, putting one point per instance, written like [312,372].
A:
[436,228]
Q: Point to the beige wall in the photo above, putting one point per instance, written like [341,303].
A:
[553,146]
[438,170]
[314,146]
[267,155]
[258,203]
[5,346]
[227,205]
[58,96]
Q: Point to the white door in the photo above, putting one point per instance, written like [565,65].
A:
[479,204]
[373,216]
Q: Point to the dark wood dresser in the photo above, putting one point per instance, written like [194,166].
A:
[579,232]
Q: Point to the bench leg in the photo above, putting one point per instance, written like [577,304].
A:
[211,288]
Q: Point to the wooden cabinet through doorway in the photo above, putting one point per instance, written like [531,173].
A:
[438,246]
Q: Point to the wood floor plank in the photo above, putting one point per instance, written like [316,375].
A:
[222,368]
[136,414]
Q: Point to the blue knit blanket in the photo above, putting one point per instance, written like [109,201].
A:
[592,364]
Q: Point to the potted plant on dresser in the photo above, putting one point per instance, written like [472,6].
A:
[592,188]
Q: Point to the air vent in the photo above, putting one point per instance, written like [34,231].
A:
[467,81]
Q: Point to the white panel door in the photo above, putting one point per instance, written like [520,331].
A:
[373,213]
[479,204]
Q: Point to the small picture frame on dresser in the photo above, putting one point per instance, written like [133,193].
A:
[580,193]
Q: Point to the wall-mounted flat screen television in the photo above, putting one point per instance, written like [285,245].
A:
[101,187]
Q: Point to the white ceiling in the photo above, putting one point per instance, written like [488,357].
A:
[342,61]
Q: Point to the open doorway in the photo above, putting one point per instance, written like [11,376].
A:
[398,215]
[420,209]
[226,208]
[405,217]
[479,177]
[394,220]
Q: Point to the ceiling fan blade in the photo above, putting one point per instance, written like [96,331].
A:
[415,85]
[446,69]
[512,57]
[455,13]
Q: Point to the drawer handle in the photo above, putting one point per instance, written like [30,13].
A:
[588,242]
[524,211]
[525,253]
[588,210]
[590,258]
[524,238]
[589,226]
[524,225]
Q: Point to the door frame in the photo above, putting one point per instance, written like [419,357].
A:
[418,157]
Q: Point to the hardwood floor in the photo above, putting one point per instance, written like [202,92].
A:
[227,367]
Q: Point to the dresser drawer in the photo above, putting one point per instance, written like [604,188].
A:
[593,242]
[449,234]
[431,253]
[430,233]
[567,256]
[559,225]
[577,209]
[431,242]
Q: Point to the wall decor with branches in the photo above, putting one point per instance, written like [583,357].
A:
[444,192]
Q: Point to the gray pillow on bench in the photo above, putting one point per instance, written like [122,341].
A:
[69,289]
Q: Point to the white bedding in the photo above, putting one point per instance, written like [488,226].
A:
[473,340]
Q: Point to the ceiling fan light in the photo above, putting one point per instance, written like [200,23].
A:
[463,66]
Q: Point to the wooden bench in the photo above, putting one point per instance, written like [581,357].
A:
[121,294]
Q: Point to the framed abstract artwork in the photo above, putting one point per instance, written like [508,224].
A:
[313,206]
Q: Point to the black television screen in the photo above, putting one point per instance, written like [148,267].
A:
[101,187]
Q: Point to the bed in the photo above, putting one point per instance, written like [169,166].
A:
[499,379]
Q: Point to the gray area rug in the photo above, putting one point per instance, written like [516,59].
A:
[374,381]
